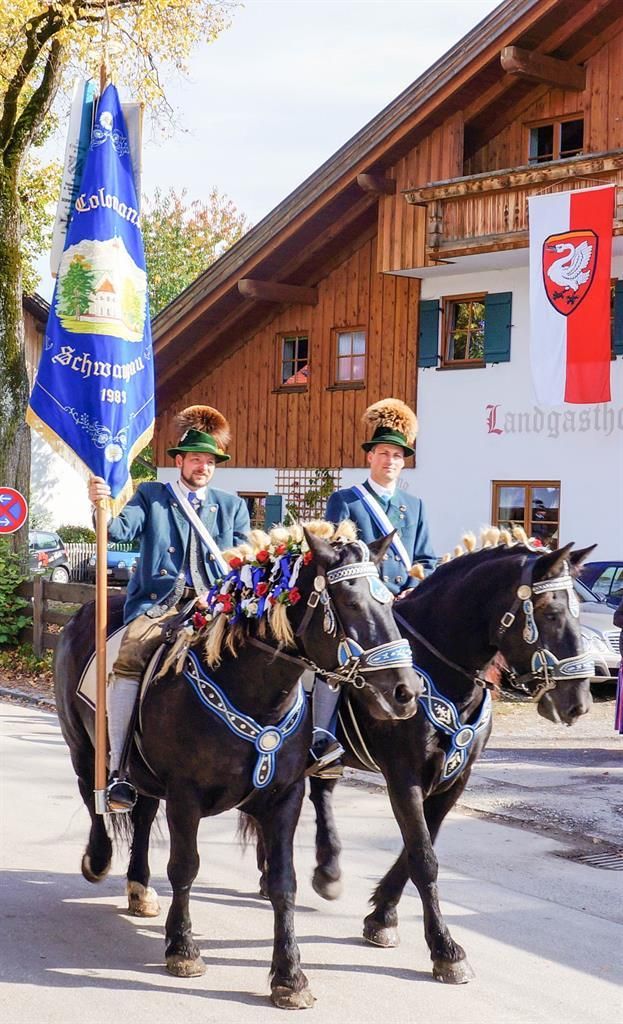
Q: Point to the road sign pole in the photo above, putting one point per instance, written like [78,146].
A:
[101,619]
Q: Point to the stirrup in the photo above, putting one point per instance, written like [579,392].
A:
[324,759]
[121,795]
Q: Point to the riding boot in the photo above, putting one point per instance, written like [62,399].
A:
[326,751]
[121,695]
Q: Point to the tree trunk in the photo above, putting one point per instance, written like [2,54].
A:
[14,387]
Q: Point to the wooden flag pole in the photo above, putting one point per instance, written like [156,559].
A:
[101,621]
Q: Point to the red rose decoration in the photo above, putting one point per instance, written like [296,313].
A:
[281,549]
[261,589]
[272,600]
[262,556]
[235,562]
[225,602]
[307,557]
[199,620]
[294,595]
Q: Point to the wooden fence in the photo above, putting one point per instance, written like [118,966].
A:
[44,593]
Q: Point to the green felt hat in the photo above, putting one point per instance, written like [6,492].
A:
[204,430]
[197,441]
[385,435]
[393,423]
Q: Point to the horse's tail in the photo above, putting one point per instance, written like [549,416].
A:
[122,828]
[247,831]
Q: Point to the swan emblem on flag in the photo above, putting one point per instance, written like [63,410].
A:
[569,261]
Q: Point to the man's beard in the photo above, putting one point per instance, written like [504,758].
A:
[194,484]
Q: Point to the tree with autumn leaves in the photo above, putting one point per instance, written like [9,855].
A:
[43,44]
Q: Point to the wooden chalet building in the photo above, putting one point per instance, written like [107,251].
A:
[400,267]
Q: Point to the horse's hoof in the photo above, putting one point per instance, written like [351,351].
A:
[450,973]
[182,967]
[328,888]
[378,935]
[263,890]
[287,999]
[89,873]
[142,900]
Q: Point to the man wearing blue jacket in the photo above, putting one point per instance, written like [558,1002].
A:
[377,507]
[182,527]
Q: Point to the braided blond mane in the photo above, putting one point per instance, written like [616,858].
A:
[265,549]
[490,537]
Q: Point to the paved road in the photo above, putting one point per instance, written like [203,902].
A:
[543,934]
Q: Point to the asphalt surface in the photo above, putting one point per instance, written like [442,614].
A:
[542,933]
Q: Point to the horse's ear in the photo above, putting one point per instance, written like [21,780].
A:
[576,558]
[552,563]
[378,547]
[324,554]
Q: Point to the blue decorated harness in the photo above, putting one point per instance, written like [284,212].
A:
[267,740]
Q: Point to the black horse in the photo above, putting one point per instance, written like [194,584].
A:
[248,747]
[505,599]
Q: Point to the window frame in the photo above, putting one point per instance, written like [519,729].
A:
[446,302]
[261,495]
[355,384]
[528,486]
[556,123]
[281,337]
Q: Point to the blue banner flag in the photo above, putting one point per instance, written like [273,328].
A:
[93,398]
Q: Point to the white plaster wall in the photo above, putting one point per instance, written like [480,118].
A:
[58,494]
[457,458]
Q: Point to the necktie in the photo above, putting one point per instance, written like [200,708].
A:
[194,501]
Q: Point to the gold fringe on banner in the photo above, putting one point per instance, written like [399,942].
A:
[113,505]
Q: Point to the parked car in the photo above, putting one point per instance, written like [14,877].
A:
[605,579]
[121,561]
[601,636]
[47,556]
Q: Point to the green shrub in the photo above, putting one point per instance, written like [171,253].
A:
[13,613]
[76,535]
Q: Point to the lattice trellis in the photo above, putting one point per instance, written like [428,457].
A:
[306,490]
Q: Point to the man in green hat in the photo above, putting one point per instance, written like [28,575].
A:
[377,507]
[182,527]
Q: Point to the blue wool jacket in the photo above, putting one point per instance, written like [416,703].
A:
[407,514]
[153,515]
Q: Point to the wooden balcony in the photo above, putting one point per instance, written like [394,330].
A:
[489,212]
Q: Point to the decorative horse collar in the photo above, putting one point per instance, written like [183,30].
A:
[444,716]
[267,740]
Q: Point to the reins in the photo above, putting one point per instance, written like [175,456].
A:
[472,677]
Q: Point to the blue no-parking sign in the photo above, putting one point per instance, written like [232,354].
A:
[13,510]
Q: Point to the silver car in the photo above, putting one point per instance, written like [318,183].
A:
[601,636]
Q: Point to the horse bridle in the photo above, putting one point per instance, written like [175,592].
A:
[354,662]
[546,668]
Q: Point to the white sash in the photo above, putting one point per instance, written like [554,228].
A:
[199,527]
[384,523]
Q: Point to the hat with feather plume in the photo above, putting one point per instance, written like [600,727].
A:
[203,430]
[393,422]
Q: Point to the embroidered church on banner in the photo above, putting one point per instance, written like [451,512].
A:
[570,265]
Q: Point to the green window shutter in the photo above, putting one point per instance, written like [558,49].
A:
[498,309]
[618,319]
[273,510]
[428,339]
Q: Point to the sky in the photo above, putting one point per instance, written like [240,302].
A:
[284,87]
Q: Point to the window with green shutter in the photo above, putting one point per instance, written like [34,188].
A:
[428,339]
[617,319]
[498,309]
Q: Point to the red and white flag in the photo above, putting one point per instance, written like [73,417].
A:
[570,266]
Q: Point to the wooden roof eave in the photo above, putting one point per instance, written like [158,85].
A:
[413,105]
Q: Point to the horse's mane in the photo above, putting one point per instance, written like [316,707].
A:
[491,538]
[261,585]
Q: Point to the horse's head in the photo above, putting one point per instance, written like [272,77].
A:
[539,635]
[346,626]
